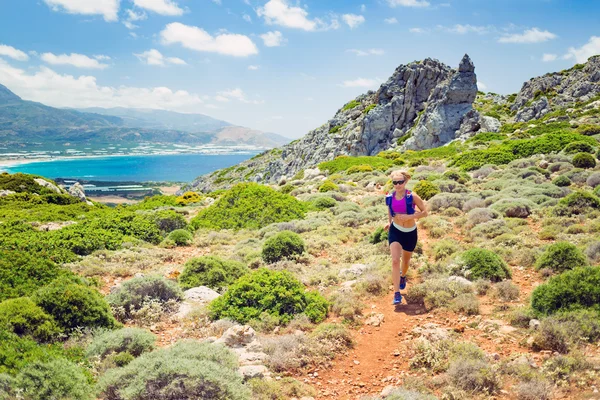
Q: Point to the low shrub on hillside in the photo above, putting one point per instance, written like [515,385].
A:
[21,273]
[589,130]
[210,271]
[571,290]
[481,263]
[188,198]
[284,245]
[561,181]
[514,208]
[437,292]
[577,203]
[328,186]
[563,331]
[249,205]
[135,293]
[134,341]
[474,376]
[73,305]
[426,190]
[322,203]
[186,370]
[578,147]
[54,379]
[23,317]
[152,202]
[23,183]
[343,163]
[561,256]
[180,237]
[584,160]
[275,292]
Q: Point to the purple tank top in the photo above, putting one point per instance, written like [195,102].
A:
[399,206]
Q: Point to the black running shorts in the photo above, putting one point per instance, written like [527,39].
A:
[408,240]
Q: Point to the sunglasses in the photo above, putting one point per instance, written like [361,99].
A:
[398,182]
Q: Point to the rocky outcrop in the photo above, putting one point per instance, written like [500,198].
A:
[543,94]
[447,106]
[371,123]
[78,191]
[48,185]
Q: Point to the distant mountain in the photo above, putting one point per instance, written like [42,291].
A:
[29,123]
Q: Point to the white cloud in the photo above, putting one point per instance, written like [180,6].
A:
[253,67]
[581,55]
[464,29]
[48,87]
[353,20]
[360,82]
[74,59]
[198,39]
[11,52]
[155,57]
[278,12]
[417,30]
[408,3]
[481,85]
[132,16]
[533,35]
[101,57]
[390,21]
[247,18]
[162,7]
[235,94]
[548,57]
[273,39]
[107,8]
[376,52]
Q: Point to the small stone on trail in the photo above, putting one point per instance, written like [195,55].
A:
[356,362]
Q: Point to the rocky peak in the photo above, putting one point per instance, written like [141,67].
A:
[6,96]
[466,65]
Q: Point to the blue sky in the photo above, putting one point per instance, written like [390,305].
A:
[283,66]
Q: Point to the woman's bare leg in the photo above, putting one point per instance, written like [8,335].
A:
[396,251]
[406,255]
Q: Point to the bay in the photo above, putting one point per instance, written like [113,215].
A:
[138,168]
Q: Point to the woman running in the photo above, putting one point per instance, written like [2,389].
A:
[402,228]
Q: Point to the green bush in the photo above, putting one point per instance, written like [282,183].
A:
[571,290]
[23,317]
[210,271]
[380,235]
[134,341]
[167,221]
[23,183]
[152,202]
[343,163]
[275,292]
[187,370]
[579,147]
[56,379]
[21,273]
[132,294]
[481,263]
[514,208]
[359,168]
[563,331]
[577,203]
[562,181]
[350,105]
[426,189]
[328,186]
[561,256]
[73,305]
[321,203]
[474,375]
[284,245]
[249,205]
[584,160]
[589,130]
[180,237]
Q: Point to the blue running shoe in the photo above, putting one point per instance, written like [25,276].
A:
[402,282]
[397,298]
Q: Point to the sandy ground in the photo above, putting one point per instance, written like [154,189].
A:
[169,189]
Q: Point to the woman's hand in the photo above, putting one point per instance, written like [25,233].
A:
[386,228]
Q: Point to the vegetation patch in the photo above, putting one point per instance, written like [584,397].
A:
[211,271]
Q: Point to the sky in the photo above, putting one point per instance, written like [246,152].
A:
[282,66]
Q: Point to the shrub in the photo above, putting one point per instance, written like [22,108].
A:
[131,295]
[578,147]
[584,160]
[561,256]
[444,248]
[359,168]
[23,317]
[350,105]
[188,198]
[474,375]
[134,341]
[465,303]
[593,180]
[73,305]
[343,163]
[21,273]
[249,205]
[187,370]
[328,186]
[284,245]
[589,130]
[535,389]
[321,203]
[438,292]
[167,221]
[380,235]
[571,290]
[426,189]
[562,181]
[577,203]
[275,292]
[478,216]
[481,263]
[180,237]
[210,271]
[514,208]
[56,379]
[346,306]
[506,291]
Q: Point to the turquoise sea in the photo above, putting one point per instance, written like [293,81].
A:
[139,168]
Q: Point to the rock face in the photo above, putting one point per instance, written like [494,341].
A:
[540,95]
[446,108]
[373,122]
[77,191]
[47,184]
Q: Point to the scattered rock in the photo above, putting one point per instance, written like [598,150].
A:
[534,323]
[432,332]
[355,270]
[4,193]
[48,185]
[200,294]
[253,371]
[374,319]
[237,335]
